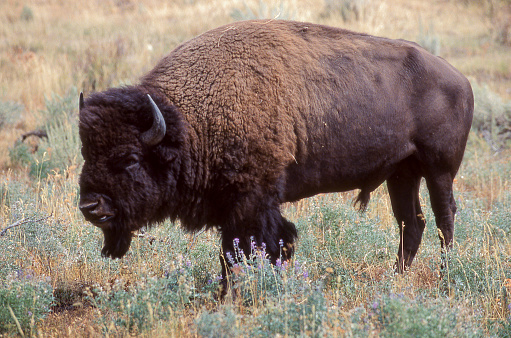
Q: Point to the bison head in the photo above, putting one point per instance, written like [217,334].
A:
[131,147]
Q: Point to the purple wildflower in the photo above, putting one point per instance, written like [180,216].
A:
[229,257]
[375,305]
[278,263]
[281,243]
[305,274]
[298,267]
[236,242]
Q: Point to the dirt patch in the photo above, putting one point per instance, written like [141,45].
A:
[78,322]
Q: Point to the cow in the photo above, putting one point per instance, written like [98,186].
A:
[247,116]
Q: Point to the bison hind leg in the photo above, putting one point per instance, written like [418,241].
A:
[403,187]
[440,188]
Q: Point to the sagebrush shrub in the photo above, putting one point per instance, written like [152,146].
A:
[28,298]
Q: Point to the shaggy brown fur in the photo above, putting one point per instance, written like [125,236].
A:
[263,112]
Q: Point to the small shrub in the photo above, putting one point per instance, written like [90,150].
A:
[27,14]
[28,298]
[289,317]
[10,113]
[222,323]
[477,266]
[341,279]
[349,10]
[501,218]
[137,306]
[291,306]
[428,39]
[504,330]
[205,267]
[400,316]
[357,323]
[255,279]
[492,117]
[473,273]
[62,147]
[62,128]
[21,154]
[343,231]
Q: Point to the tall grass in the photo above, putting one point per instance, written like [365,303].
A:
[341,281]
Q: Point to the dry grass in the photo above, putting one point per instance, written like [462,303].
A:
[93,45]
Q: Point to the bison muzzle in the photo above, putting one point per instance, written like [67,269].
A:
[248,116]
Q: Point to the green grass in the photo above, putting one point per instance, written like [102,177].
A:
[61,148]
[341,281]
[24,302]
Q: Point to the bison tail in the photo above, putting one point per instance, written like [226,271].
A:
[362,200]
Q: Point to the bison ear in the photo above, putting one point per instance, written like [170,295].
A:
[157,131]
[81,104]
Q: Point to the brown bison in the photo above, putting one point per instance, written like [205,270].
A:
[250,115]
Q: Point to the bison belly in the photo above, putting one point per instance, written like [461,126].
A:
[354,159]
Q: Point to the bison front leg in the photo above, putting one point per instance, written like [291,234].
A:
[266,230]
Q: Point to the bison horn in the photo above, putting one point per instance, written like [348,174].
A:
[81,104]
[157,132]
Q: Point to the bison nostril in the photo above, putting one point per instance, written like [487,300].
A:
[97,211]
[88,206]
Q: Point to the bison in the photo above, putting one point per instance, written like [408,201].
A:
[253,114]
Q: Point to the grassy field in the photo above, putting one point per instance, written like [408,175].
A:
[53,281]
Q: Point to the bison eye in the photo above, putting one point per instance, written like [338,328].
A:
[131,161]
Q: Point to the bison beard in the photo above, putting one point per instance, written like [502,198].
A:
[243,118]
[117,241]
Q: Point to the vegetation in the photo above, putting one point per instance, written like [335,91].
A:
[53,281]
